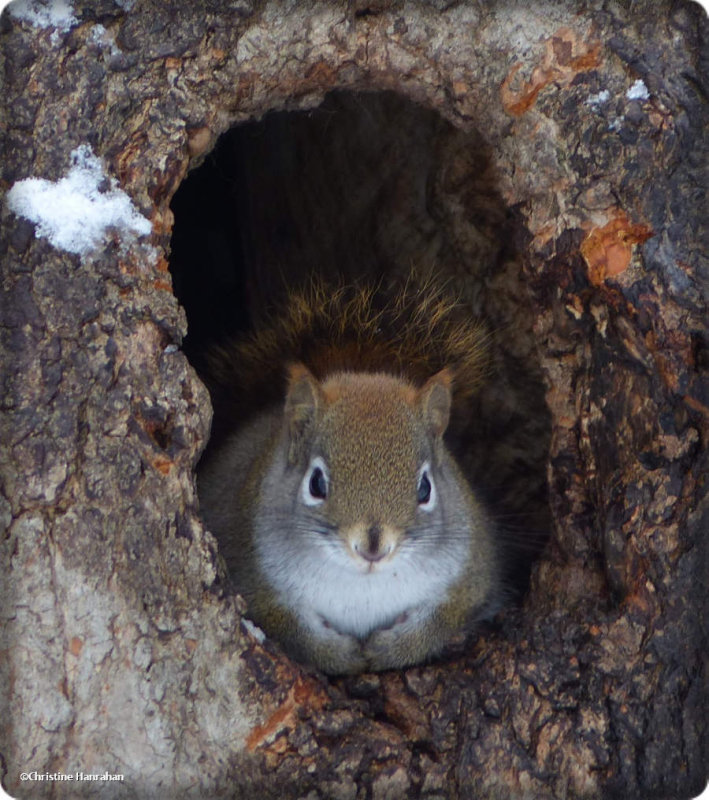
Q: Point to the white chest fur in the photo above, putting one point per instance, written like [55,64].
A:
[324,584]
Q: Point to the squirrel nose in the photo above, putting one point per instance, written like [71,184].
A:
[372,550]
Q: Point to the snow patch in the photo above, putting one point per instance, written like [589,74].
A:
[57,14]
[99,36]
[254,630]
[77,212]
[638,91]
[598,99]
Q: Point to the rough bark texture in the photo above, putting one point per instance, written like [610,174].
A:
[121,652]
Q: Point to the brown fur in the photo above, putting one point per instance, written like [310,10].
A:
[411,333]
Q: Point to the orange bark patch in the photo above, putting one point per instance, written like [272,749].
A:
[199,140]
[285,717]
[162,465]
[321,73]
[565,55]
[76,645]
[607,250]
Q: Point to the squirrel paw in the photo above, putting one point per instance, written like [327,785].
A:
[395,646]
[338,653]
[413,638]
[381,650]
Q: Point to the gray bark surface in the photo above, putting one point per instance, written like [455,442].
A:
[121,651]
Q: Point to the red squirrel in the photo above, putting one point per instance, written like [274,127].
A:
[344,520]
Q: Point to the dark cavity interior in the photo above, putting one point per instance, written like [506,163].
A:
[367,187]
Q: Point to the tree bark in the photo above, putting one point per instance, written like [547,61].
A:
[122,651]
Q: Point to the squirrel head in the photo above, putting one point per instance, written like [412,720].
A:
[367,448]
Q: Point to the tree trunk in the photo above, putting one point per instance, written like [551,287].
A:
[123,653]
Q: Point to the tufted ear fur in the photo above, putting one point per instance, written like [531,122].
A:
[304,399]
[434,400]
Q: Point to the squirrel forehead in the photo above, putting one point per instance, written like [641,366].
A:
[376,410]
[368,389]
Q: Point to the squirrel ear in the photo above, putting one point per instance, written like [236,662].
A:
[435,401]
[303,400]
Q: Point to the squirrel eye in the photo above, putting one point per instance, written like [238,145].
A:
[424,491]
[315,483]
[318,484]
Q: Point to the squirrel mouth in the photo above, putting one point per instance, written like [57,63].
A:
[365,567]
